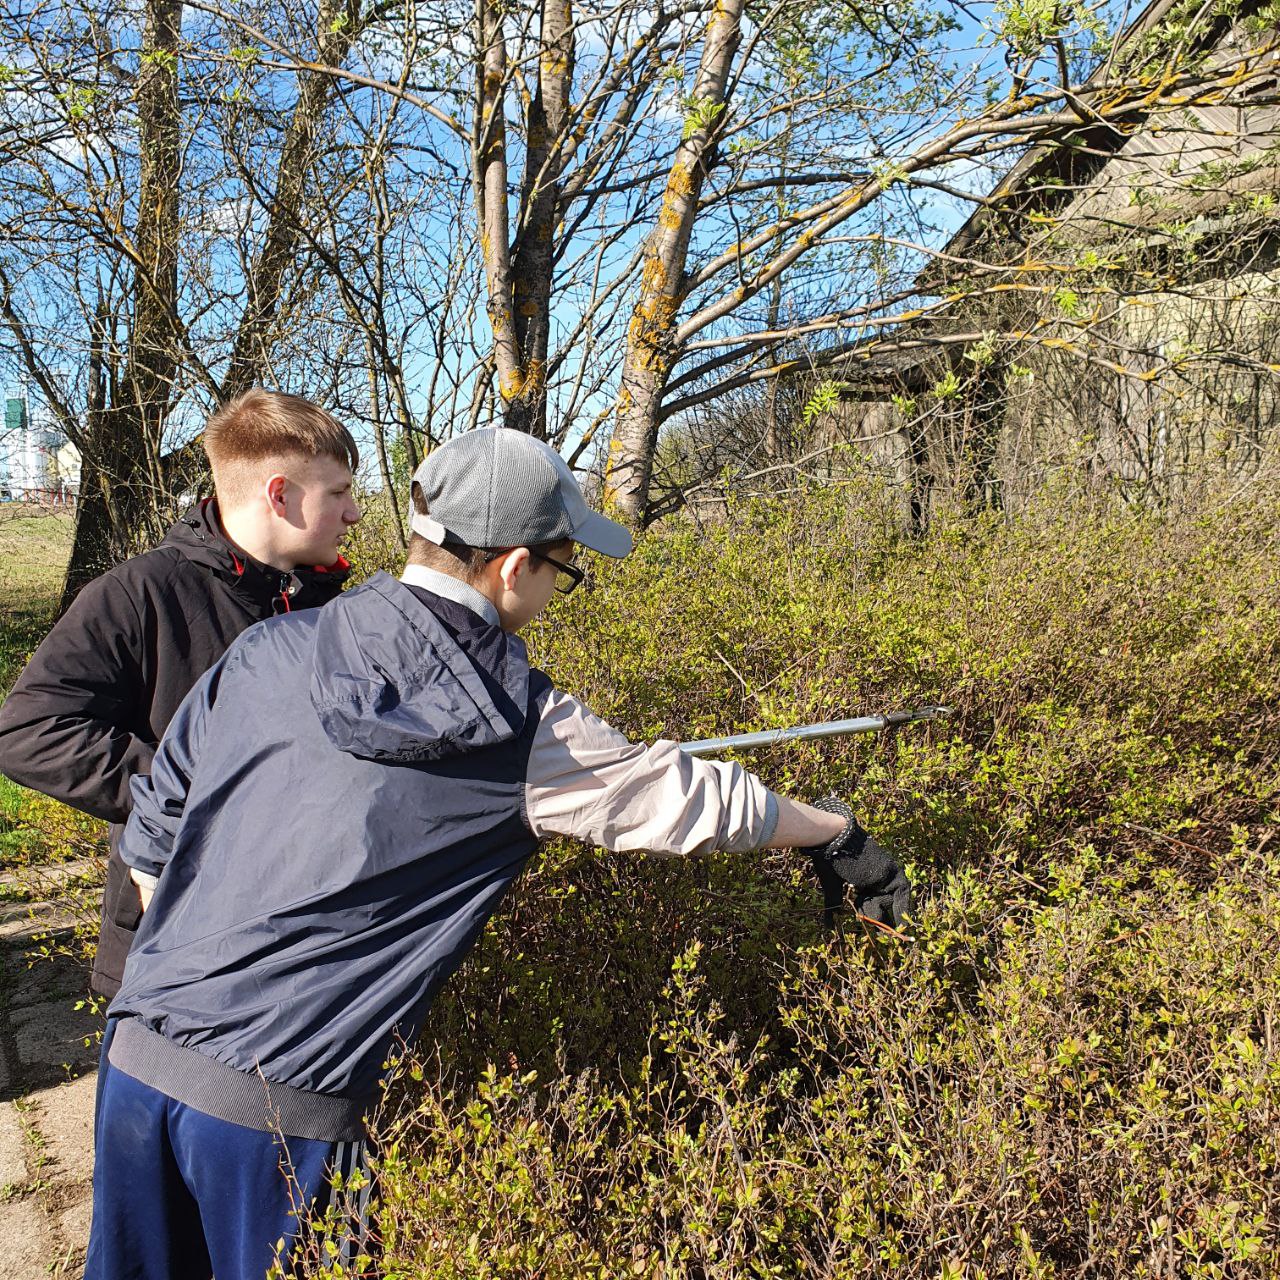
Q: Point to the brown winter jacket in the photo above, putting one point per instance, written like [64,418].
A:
[94,700]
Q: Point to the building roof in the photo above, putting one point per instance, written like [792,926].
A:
[1121,174]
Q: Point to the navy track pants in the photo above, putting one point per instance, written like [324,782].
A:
[180,1195]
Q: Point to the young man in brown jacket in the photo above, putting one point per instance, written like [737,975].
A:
[86,715]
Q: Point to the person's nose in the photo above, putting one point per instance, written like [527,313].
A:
[352,514]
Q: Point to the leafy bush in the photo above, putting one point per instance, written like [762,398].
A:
[37,831]
[658,1068]
[1105,1101]
[48,852]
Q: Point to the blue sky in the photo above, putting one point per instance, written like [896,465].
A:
[427,154]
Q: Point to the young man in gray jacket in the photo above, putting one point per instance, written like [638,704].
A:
[335,811]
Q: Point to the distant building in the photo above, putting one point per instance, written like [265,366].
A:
[67,461]
[37,462]
[1131,339]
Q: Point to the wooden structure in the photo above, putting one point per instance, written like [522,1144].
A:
[1168,227]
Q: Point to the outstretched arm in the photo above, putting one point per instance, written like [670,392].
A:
[587,780]
[801,826]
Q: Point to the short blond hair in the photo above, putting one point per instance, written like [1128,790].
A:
[261,426]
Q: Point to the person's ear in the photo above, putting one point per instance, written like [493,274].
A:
[276,490]
[512,565]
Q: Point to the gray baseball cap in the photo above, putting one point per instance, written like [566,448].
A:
[495,487]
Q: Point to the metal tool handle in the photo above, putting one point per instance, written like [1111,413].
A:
[828,729]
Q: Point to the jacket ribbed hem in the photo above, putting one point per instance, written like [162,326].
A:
[238,1097]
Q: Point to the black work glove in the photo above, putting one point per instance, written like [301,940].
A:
[881,891]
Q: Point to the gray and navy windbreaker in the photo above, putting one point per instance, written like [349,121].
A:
[335,811]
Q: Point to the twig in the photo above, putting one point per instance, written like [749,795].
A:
[885,928]
[1160,835]
[746,688]
[1026,879]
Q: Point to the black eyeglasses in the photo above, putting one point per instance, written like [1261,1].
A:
[568,576]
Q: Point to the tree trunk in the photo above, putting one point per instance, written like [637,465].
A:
[773,445]
[153,340]
[92,550]
[389,485]
[518,275]
[489,179]
[650,350]
[117,503]
[121,448]
[532,260]
[987,428]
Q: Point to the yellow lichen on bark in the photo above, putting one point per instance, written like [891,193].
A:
[664,310]
[610,493]
[654,276]
[523,382]
[680,183]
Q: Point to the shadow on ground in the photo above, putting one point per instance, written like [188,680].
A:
[44,1039]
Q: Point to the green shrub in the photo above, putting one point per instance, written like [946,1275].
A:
[663,1068]
[37,831]
[1102,1103]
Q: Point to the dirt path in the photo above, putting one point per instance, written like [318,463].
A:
[47,1078]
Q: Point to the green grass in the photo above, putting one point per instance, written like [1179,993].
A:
[34,548]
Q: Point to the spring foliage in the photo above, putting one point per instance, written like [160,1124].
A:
[664,1069]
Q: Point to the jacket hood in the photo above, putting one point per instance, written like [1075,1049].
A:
[390,681]
[199,537]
